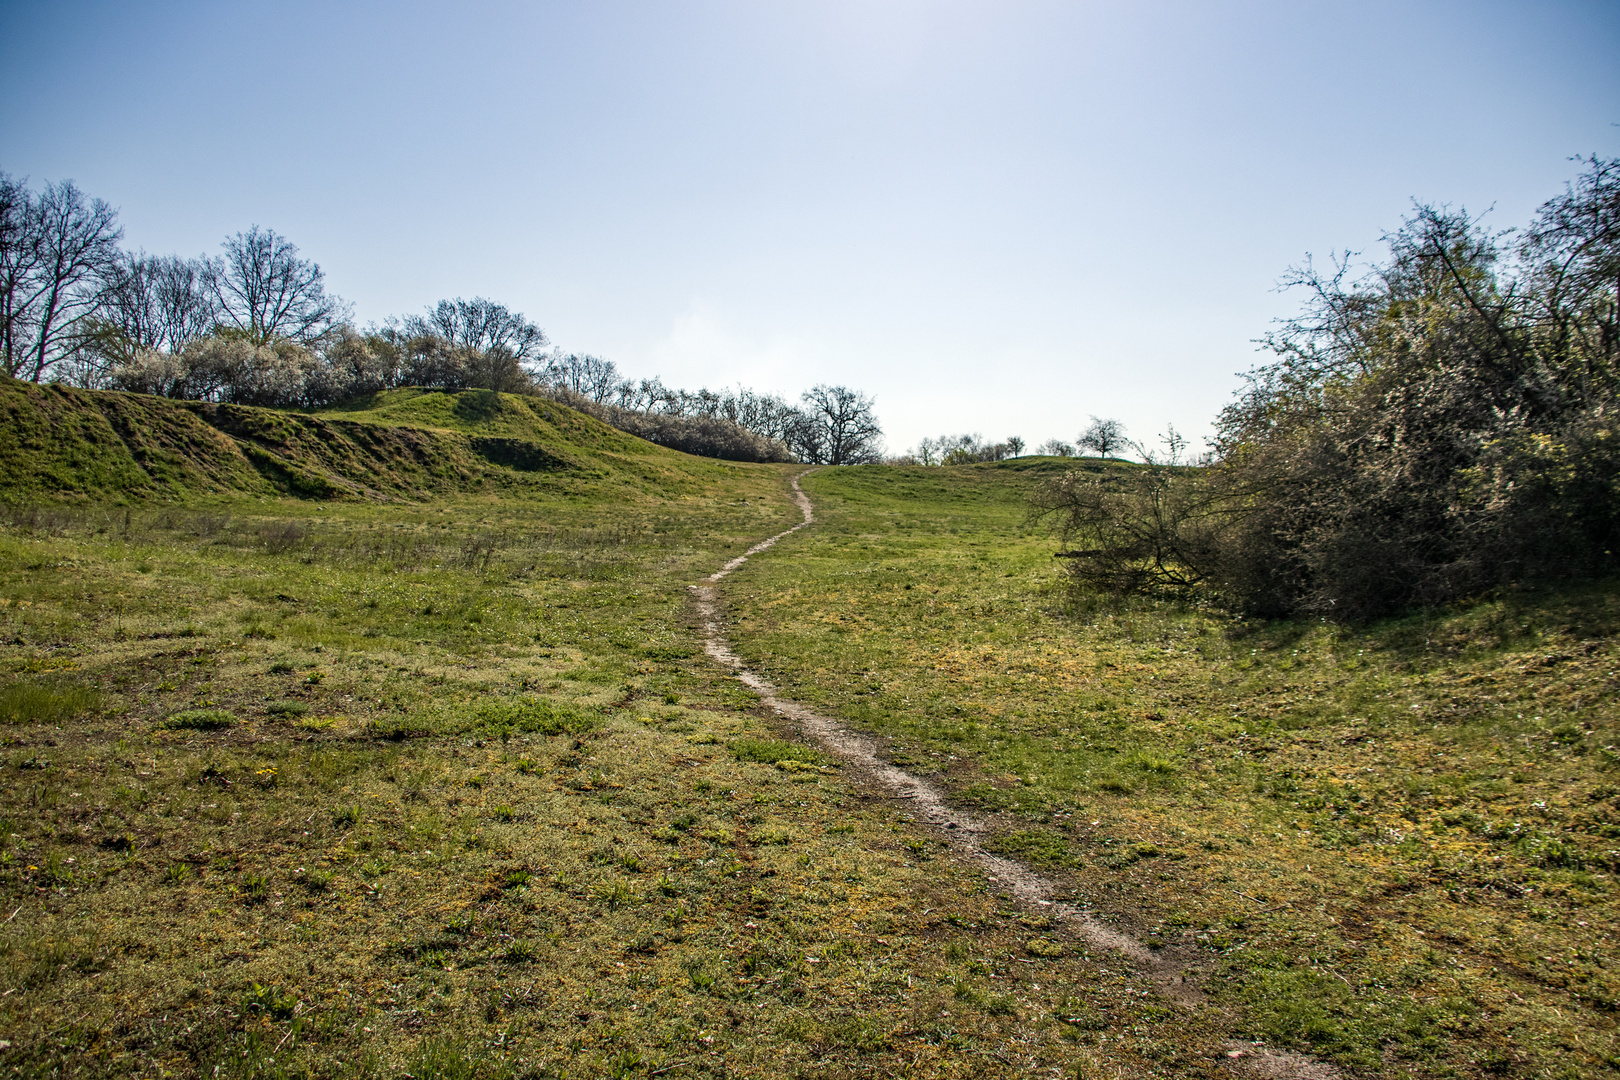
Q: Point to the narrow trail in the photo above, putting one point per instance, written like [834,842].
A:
[1167,968]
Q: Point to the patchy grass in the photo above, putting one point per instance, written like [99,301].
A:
[485,810]
[1393,846]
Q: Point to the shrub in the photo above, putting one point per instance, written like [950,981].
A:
[1439,426]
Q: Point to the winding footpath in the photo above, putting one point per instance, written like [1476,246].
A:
[1167,968]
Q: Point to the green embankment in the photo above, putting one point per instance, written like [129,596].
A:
[61,443]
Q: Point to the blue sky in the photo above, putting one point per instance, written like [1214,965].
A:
[995,217]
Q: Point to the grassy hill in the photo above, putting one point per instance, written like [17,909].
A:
[60,443]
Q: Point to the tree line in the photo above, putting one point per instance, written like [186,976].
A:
[1436,424]
[256,325]
[1105,438]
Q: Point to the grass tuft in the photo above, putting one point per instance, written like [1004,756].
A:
[536,716]
[40,703]
[200,720]
[774,752]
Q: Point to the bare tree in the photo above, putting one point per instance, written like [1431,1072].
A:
[848,431]
[1571,262]
[1055,448]
[267,293]
[17,258]
[961,450]
[1015,446]
[482,326]
[1104,436]
[590,377]
[54,251]
[153,303]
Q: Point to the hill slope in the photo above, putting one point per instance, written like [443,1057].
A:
[61,442]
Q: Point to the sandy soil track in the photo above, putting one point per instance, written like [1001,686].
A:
[926,803]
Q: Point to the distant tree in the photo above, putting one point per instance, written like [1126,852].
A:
[765,414]
[1055,448]
[1015,446]
[55,250]
[266,293]
[807,441]
[482,326]
[961,450]
[590,377]
[648,395]
[354,364]
[968,449]
[150,303]
[846,430]
[1106,437]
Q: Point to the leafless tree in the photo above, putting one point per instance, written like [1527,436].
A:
[1106,437]
[482,326]
[267,293]
[590,377]
[55,249]
[1055,448]
[1015,446]
[960,450]
[1571,260]
[154,303]
[16,267]
[847,428]
[766,414]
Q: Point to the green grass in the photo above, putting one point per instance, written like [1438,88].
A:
[30,701]
[485,806]
[775,751]
[1394,846]
[200,720]
[62,445]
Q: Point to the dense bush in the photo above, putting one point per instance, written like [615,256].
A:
[1440,425]
[706,435]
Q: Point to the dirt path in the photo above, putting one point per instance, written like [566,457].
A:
[1167,967]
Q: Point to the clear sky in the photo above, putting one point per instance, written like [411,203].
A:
[995,216]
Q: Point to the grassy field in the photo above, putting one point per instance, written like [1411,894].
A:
[1394,845]
[433,779]
[446,788]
